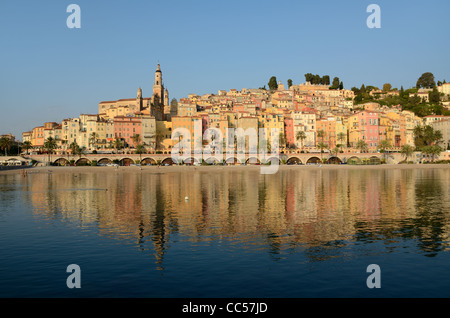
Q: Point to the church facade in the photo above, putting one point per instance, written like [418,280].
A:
[156,106]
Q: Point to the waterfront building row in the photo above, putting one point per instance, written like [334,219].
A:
[306,116]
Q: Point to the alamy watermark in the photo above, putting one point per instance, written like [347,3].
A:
[74,19]
[374,279]
[74,279]
[374,19]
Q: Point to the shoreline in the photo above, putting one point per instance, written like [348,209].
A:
[163,169]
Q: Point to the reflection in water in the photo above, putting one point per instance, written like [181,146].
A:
[322,212]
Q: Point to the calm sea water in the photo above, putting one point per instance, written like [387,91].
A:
[225,233]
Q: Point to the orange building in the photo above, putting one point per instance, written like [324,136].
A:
[188,122]
[328,126]
[37,139]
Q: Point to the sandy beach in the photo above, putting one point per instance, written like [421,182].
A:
[171,169]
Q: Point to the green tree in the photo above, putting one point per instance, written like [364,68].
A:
[384,146]
[289,82]
[426,80]
[387,87]
[5,144]
[316,79]
[426,136]
[326,80]
[335,151]
[136,139]
[118,144]
[321,135]
[140,149]
[27,146]
[300,135]
[336,83]
[273,83]
[434,96]
[80,151]
[322,147]
[362,145]
[434,151]
[76,149]
[50,145]
[73,147]
[93,139]
[341,137]
[407,151]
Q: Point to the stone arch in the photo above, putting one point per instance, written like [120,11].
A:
[126,161]
[168,161]
[374,160]
[294,161]
[104,161]
[252,161]
[232,161]
[273,160]
[313,160]
[212,160]
[334,161]
[82,162]
[148,162]
[353,161]
[190,161]
[61,162]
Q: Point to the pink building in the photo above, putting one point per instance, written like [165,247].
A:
[369,124]
[126,128]
[289,131]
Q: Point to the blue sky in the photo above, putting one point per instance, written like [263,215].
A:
[50,72]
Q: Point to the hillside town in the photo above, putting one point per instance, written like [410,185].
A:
[310,117]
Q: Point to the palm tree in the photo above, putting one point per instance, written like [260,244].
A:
[76,149]
[383,146]
[321,135]
[407,150]
[322,146]
[5,144]
[93,139]
[434,151]
[50,145]
[136,139]
[27,145]
[73,147]
[362,145]
[118,144]
[335,150]
[426,136]
[300,135]
[341,137]
[140,149]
